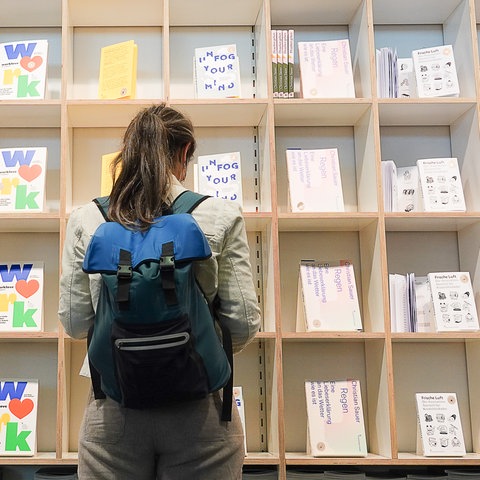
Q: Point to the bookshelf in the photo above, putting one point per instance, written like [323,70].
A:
[78,129]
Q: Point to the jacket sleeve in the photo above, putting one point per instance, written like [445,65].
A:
[76,311]
[229,275]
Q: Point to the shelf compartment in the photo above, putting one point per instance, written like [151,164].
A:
[360,247]
[325,360]
[31,113]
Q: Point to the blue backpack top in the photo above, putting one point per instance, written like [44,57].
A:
[154,340]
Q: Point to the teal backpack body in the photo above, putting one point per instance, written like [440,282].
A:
[154,340]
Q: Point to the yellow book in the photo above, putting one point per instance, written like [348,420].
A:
[118,71]
[106,174]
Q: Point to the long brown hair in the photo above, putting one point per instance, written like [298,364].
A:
[152,144]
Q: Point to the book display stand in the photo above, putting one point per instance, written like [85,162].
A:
[77,128]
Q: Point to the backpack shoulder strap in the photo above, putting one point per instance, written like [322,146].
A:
[187,202]
[102,204]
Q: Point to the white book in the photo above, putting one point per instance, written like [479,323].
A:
[314,180]
[439,426]
[219,175]
[453,301]
[335,422]
[217,72]
[409,198]
[22,179]
[326,69]
[238,397]
[407,85]
[21,297]
[23,70]
[423,297]
[399,303]
[435,72]
[327,298]
[389,185]
[18,419]
[441,185]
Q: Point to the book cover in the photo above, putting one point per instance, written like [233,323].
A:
[326,69]
[441,185]
[23,70]
[238,397]
[439,426]
[275,63]
[118,71]
[327,297]
[291,63]
[21,296]
[18,417]
[408,188]
[280,69]
[217,72]
[406,82]
[435,72]
[423,297]
[453,301]
[106,181]
[22,179]
[389,185]
[219,175]
[285,48]
[335,422]
[314,180]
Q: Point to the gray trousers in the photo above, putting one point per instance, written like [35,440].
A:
[186,441]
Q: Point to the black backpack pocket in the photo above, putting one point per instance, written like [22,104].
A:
[157,364]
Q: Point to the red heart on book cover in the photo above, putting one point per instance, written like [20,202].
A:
[20,408]
[27,289]
[31,63]
[30,173]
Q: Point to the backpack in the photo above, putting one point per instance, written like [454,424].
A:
[154,339]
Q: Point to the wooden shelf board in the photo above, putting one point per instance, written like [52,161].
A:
[423,221]
[309,222]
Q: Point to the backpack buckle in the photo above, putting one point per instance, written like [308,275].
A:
[167,261]
[124,271]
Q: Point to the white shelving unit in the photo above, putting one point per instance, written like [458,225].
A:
[78,129]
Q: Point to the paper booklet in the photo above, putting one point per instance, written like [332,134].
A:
[18,417]
[118,71]
[453,301]
[327,297]
[435,72]
[22,179]
[326,69]
[314,180]
[409,198]
[106,181]
[219,175]
[23,70]
[439,427]
[21,296]
[216,72]
[441,184]
[335,422]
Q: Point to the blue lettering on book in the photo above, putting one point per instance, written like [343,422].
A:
[19,157]
[15,272]
[14,51]
[8,389]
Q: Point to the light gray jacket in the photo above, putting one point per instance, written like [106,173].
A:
[227,272]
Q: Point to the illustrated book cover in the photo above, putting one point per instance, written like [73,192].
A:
[22,179]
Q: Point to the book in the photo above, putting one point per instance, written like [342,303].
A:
[409,198]
[326,69]
[275,63]
[280,68]
[106,181]
[335,422]
[219,175]
[327,297]
[406,83]
[389,185]
[23,69]
[386,66]
[439,426]
[285,48]
[21,296]
[238,397]
[217,72]
[441,185]
[314,180]
[118,71]
[435,72]
[18,419]
[22,179]
[453,301]
[291,63]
